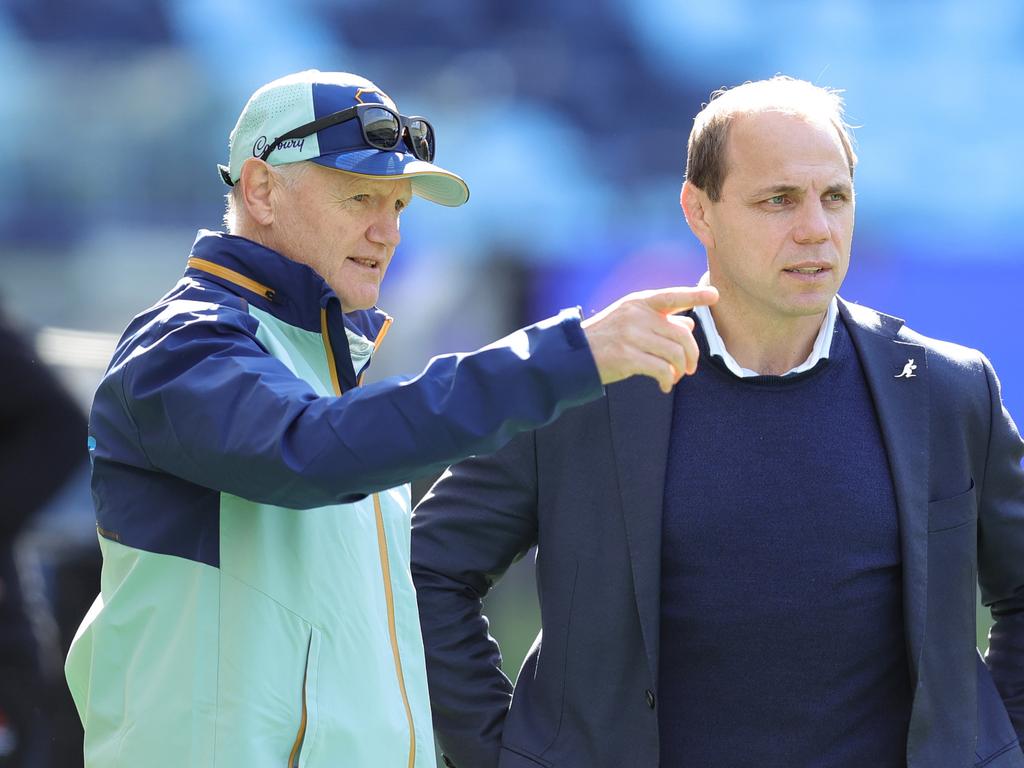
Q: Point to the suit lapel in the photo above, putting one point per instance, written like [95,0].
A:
[641,419]
[901,402]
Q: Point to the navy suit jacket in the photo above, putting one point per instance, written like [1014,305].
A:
[588,490]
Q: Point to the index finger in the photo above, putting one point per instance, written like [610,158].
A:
[671,300]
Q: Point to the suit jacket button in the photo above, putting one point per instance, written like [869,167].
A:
[649,694]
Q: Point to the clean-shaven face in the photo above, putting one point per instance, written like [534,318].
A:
[345,227]
[784,224]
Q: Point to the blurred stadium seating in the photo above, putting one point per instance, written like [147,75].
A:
[568,120]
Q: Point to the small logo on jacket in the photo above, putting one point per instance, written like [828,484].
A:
[908,371]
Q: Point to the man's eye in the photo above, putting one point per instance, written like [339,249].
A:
[400,205]
[836,197]
[361,198]
[777,200]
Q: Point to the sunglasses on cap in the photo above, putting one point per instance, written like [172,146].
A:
[382,128]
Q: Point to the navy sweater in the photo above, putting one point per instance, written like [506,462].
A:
[781,613]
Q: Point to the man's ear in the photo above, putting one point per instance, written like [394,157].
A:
[696,208]
[257,182]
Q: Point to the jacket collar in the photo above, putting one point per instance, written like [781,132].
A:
[902,405]
[870,320]
[290,291]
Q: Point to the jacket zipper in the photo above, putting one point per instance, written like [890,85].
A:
[382,542]
[385,569]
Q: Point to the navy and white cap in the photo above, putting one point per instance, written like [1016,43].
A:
[294,100]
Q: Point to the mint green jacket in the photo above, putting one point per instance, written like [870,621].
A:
[256,607]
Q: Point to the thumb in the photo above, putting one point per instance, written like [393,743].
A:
[672,300]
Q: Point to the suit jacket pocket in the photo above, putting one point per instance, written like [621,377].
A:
[513,758]
[997,742]
[952,512]
[534,718]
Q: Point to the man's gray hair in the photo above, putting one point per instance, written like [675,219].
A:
[706,161]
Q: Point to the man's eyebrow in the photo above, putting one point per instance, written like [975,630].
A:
[841,186]
[790,189]
[778,189]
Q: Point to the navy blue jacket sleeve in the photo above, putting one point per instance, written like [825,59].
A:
[201,399]
[478,519]
[1001,554]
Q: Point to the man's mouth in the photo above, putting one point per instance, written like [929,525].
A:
[369,263]
[807,270]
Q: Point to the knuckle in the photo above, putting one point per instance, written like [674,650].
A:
[629,308]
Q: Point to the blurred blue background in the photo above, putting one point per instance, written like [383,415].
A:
[569,121]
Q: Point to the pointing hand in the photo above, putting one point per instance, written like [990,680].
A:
[640,335]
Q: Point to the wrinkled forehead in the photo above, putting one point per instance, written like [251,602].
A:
[774,142]
[766,126]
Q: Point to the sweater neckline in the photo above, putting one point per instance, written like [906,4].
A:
[838,350]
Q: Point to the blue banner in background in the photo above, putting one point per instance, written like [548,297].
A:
[979,305]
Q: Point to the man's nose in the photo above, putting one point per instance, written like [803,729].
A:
[812,226]
[384,230]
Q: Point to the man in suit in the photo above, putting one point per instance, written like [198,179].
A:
[775,565]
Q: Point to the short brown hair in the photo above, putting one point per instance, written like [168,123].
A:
[706,162]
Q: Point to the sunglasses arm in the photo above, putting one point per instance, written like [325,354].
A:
[310,128]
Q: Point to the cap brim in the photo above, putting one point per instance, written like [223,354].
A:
[429,181]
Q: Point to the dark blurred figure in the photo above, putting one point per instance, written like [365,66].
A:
[42,443]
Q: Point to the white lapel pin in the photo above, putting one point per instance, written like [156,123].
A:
[908,370]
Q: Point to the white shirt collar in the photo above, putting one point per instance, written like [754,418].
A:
[716,346]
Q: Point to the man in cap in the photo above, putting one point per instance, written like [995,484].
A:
[256,606]
[776,565]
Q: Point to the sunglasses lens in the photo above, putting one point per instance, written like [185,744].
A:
[381,128]
[421,137]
